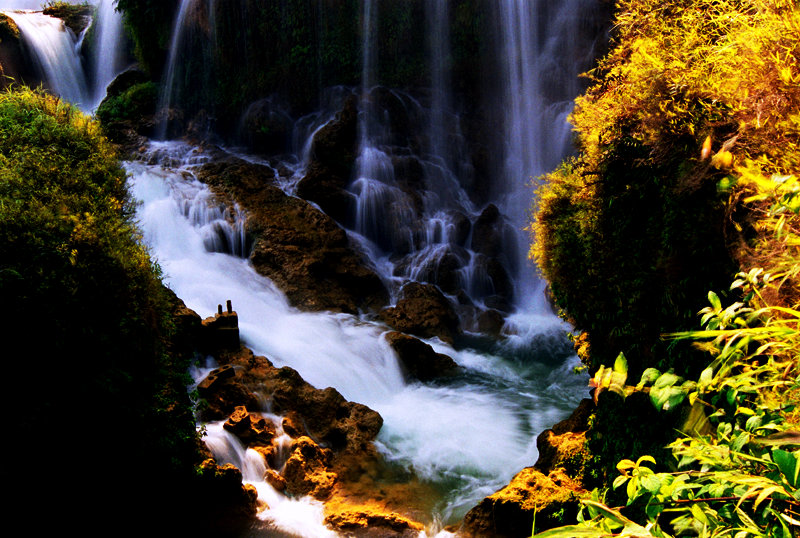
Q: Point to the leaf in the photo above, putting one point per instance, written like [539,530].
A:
[651,483]
[714,300]
[787,464]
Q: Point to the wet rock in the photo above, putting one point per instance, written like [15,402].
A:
[301,249]
[422,311]
[370,520]
[12,58]
[509,512]
[551,488]
[307,470]
[322,414]
[266,127]
[223,393]
[229,506]
[251,428]
[491,322]
[563,445]
[333,154]
[418,359]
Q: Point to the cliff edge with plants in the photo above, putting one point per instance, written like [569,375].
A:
[685,181]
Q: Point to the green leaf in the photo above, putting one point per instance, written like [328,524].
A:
[621,364]
[651,483]
[714,300]
[787,464]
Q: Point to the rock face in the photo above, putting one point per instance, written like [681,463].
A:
[333,153]
[423,311]
[551,488]
[302,250]
[419,360]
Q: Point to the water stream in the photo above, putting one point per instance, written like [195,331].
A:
[469,435]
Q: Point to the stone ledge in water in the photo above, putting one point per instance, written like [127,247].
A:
[76,17]
[300,248]
[418,359]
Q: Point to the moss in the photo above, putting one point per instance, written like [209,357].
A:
[8,28]
[75,16]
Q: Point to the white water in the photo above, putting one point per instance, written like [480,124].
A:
[53,49]
[540,72]
[472,434]
[107,58]
[167,88]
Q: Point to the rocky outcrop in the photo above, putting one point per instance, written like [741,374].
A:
[423,311]
[333,153]
[370,520]
[418,359]
[75,17]
[13,65]
[551,488]
[301,249]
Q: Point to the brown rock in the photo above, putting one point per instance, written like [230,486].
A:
[323,414]
[369,520]
[418,359]
[229,507]
[222,393]
[301,249]
[331,168]
[250,428]
[423,311]
[509,512]
[307,471]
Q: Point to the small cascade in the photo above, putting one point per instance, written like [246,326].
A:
[53,50]
[107,58]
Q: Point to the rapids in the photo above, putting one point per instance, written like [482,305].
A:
[468,436]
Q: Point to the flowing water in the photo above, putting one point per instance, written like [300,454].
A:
[55,51]
[468,436]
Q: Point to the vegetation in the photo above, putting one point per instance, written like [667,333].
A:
[698,100]
[75,16]
[96,385]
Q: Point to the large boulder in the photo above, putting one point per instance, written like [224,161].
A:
[301,249]
[418,359]
[423,311]
[308,470]
[551,489]
[554,497]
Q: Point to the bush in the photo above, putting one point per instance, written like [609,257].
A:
[89,319]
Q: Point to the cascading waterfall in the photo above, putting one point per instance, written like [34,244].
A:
[53,50]
[107,58]
[168,86]
[541,54]
[471,435]
[56,52]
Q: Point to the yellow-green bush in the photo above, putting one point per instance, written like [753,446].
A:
[90,389]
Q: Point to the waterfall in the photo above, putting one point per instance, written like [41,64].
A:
[543,49]
[469,436]
[175,49]
[107,60]
[52,48]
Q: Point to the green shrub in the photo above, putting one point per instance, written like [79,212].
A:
[91,386]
